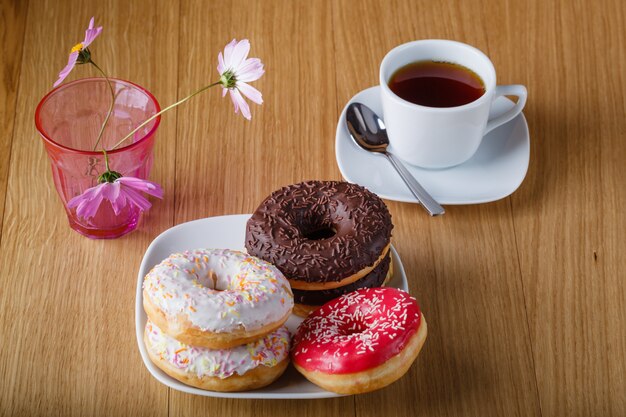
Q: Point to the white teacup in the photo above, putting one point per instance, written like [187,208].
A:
[436,137]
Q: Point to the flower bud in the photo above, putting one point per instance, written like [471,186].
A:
[109,176]
[84,56]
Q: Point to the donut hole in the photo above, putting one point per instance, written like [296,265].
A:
[316,227]
[325,232]
[210,280]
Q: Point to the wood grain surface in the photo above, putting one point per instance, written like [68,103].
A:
[525,297]
[12,26]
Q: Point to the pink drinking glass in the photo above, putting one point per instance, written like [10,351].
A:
[69,119]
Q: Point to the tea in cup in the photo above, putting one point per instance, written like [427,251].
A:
[436,97]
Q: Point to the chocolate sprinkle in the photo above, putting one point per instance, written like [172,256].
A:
[277,231]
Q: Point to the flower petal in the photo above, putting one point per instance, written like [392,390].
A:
[71,63]
[224,91]
[220,64]
[88,202]
[88,209]
[139,184]
[228,52]
[234,99]
[240,53]
[136,199]
[112,193]
[91,35]
[240,103]
[250,92]
[88,194]
[121,201]
[250,70]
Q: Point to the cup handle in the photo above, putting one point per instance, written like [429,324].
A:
[508,90]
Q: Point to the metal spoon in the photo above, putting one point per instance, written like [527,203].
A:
[369,132]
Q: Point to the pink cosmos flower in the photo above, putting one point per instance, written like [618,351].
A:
[90,34]
[122,191]
[236,71]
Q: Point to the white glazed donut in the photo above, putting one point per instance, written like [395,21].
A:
[241,368]
[216,298]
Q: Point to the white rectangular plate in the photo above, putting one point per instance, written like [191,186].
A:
[226,232]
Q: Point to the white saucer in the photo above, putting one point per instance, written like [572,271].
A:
[227,232]
[494,172]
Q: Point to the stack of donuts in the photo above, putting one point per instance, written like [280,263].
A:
[216,319]
[328,238]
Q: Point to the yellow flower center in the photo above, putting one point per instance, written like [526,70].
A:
[77,48]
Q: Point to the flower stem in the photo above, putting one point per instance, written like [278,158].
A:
[171,106]
[108,175]
[106,160]
[106,119]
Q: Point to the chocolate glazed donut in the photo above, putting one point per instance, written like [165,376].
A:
[315,299]
[321,234]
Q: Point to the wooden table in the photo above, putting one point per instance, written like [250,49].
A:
[526,297]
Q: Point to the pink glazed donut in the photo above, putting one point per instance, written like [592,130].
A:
[360,342]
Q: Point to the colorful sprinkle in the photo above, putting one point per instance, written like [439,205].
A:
[222,363]
[219,290]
